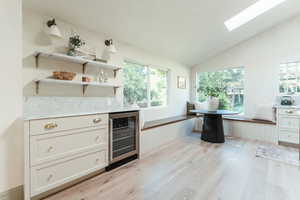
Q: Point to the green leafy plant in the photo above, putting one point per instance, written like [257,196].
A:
[76,42]
[212,91]
[214,86]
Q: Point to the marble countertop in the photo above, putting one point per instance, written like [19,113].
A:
[57,114]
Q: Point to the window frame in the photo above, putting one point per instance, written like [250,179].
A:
[148,82]
[297,63]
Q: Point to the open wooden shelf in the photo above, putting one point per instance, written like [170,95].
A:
[77,60]
[83,84]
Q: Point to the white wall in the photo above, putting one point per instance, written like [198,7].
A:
[11,134]
[153,139]
[261,57]
[34,39]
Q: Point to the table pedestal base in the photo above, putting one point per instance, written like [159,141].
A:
[213,129]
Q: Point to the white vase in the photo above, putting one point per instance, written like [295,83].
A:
[212,103]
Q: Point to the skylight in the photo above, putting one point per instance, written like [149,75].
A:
[251,12]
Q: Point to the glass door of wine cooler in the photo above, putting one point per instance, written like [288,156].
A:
[124,135]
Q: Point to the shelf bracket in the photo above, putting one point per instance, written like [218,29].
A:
[37,56]
[84,87]
[37,87]
[116,71]
[84,67]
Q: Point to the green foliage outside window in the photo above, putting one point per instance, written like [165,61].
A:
[158,87]
[144,85]
[227,85]
[135,83]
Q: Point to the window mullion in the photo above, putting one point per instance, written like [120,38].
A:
[148,87]
[296,78]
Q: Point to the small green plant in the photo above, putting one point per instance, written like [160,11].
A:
[75,42]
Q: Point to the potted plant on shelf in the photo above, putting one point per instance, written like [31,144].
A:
[75,42]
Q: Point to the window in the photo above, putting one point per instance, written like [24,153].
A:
[231,96]
[144,85]
[289,78]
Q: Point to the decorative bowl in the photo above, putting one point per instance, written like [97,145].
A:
[64,75]
[86,79]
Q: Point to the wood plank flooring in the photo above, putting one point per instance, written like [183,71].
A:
[190,169]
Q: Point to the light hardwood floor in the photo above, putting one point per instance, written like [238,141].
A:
[190,169]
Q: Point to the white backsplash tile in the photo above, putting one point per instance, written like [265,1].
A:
[61,105]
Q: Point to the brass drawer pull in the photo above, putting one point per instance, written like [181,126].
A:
[97,138]
[49,177]
[51,126]
[50,148]
[289,112]
[96,121]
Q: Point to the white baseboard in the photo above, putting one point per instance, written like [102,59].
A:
[16,193]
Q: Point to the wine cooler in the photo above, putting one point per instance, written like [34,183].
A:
[123,136]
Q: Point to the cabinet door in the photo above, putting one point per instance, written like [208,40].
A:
[288,122]
[48,176]
[288,136]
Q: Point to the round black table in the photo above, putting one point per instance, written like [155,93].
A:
[213,130]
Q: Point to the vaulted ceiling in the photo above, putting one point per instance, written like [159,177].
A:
[188,31]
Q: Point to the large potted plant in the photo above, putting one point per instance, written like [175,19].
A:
[213,92]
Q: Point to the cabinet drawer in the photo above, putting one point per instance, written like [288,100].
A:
[288,122]
[291,112]
[48,147]
[46,177]
[68,123]
[290,137]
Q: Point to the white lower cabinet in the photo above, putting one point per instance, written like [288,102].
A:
[290,137]
[57,152]
[288,125]
[288,122]
[49,176]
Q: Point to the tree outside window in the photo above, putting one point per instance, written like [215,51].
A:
[144,85]
[231,97]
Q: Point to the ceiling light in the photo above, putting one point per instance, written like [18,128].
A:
[251,12]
